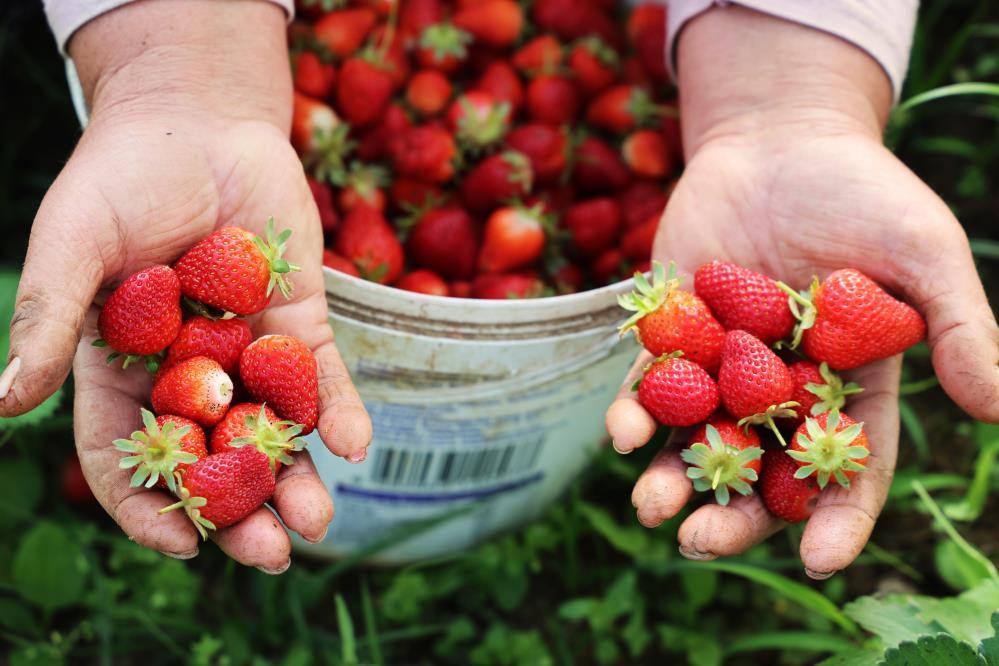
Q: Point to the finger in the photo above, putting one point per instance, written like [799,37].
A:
[844,517]
[302,500]
[720,531]
[258,541]
[628,424]
[662,489]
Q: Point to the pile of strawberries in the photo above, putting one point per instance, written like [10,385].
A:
[477,149]
[215,388]
[717,369]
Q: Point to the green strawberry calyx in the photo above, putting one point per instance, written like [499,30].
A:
[192,507]
[478,131]
[151,362]
[802,305]
[643,108]
[274,439]
[829,453]
[600,50]
[784,410]
[273,248]
[718,466]
[332,147]
[155,452]
[520,168]
[443,40]
[833,393]
[648,297]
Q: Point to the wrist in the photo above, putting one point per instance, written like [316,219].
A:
[187,58]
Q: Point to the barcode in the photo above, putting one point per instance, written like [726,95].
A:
[452,467]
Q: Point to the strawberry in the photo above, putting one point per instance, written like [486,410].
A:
[848,321]
[257,425]
[610,266]
[387,52]
[313,77]
[572,19]
[785,496]
[361,185]
[552,99]
[723,456]
[425,152]
[363,90]
[545,146]
[196,388]
[235,271]
[622,108]
[423,281]
[443,47]
[646,154]
[555,199]
[366,239]
[428,92]
[669,319]
[498,178]
[636,244]
[495,23]
[756,387]
[445,240]
[744,299]
[318,135]
[222,340]
[593,64]
[328,216]
[502,286]
[73,483]
[142,316]
[333,260]
[343,31]
[634,73]
[514,237]
[409,193]
[641,201]
[567,278]
[478,120]
[541,54]
[166,446]
[593,224]
[376,142]
[224,488]
[829,446]
[677,392]
[818,390]
[281,371]
[598,167]
[646,29]
[500,81]
[415,16]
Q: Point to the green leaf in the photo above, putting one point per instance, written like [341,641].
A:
[21,488]
[806,641]
[348,644]
[966,616]
[957,568]
[18,618]
[989,648]
[41,654]
[632,540]
[858,657]
[577,609]
[700,586]
[948,529]
[892,618]
[49,567]
[970,507]
[937,650]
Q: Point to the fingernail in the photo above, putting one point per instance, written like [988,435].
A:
[691,554]
[358,457]
[9,375]
[275,572]
[186,555]
[318,538]
[623,452]
[819,575]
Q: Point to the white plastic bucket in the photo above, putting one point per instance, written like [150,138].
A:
[483,412]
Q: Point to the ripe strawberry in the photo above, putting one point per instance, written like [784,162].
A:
[142,316]
[723,456]
[281,371]
[646,154]
[545,146]
[848,321]
[541,54]
[445,240]
[784,495]
[478,120]
[756,387]
[495,23]
[425,152]
[500,81]
[73,483]
[236,271]
[641,201]
[555,199]
[646,30]
[443,47]
[818,390]
[677,392]
[428,92]
[313,77]
[411,194]
[366,239]
[593,64]
[567,278]
[622,108]
[343,31]
[375,143]
[328,216]
[363,90]
[257,426]
[423,281]
[514,237]
[634,73]
[598,167]
[224,488]
[166,446]
[610,266]
[636,244]
[196,388]
[460,289]
[552,99]
[415,16]
[669,319]
[829,446]
[503,286]
[361,185]
[744,299]
[498,178]
[572,19]
[221,340]
[387,51]
[333,260]
[593,224]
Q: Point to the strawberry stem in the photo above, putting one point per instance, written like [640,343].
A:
[273,248]
[785,410]
[802,306]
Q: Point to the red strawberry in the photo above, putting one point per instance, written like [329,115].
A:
[386,50]
[366,239]
[361,185]
[478,120]
[744,299]
[73,483]
[423,281]
[343,31]
[425,152]
[818,390]
[428,92]
[641,201]
[495,23]
[498,178]
[409,193]
[333,260]
[552,99]
[502,286]
[646,30]
[636,244]
[622,108]
[235,271]
[593,224]
[830,446]
[593,64]
[500,81]
[445,240]
[281,371]
[785,496]
[598,167]
[376,143]
[314,77]
[323,196]
[646,154]
[634,73]
[514,237]
[460,289]
[363,90]
[222,340]
[541,54]
[142,316]
[443,47]
[544,146]
[166,445]
[848,321]
[196,388]
[224,488]
[756,387]
[723,456]
[610,266]
[677,392]
[555,199]
[257,426]
[572,19]
[669,319]
[415,16]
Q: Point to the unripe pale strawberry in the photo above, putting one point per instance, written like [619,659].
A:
[196,388]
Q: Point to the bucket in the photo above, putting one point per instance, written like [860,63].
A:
[484,411]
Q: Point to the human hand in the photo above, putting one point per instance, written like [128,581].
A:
[188,133]
[787,175]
